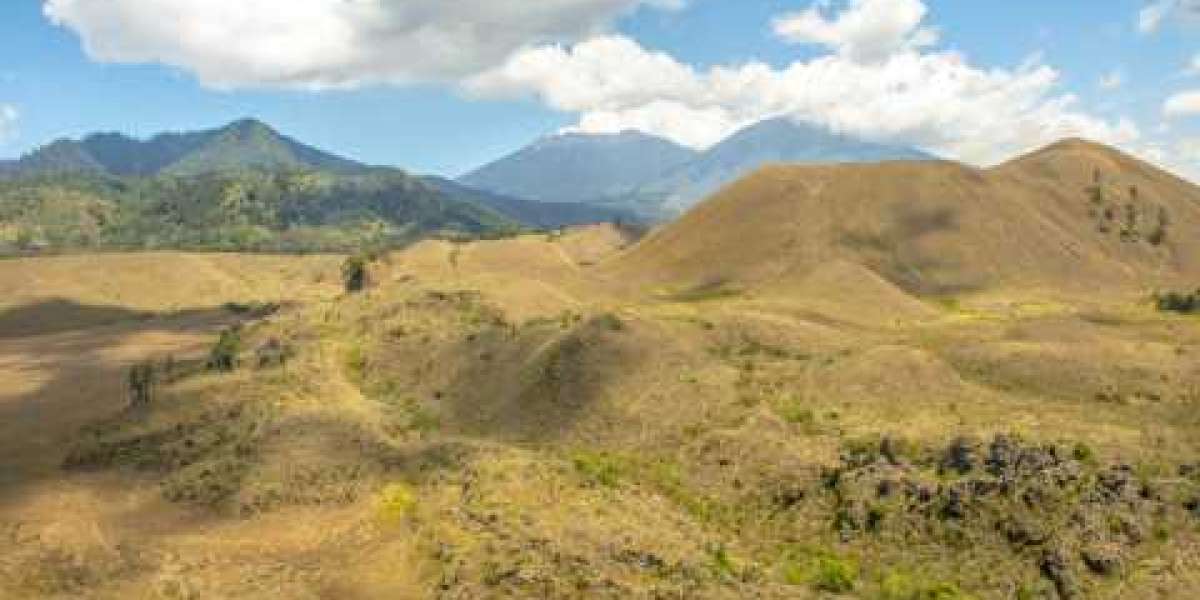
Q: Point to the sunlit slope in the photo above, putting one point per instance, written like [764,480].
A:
[1072,217]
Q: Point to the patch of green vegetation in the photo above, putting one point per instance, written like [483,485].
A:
[396,502]
[355,362]
[354,273]
[233,210]
[601,469]
[721,563]
[905,585]
[225,354]
[610,321]
[819,568]
[833,574]
[708,291]
[1179,302]
[794,411]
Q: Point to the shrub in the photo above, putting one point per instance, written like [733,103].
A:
[396,501]
[832,574]
[600,469]
[1084,453]
[143,378]
[224,354]
[354,273]
[721,563]
[1179,302]
[899,585]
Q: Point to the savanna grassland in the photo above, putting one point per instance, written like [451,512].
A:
[874,382]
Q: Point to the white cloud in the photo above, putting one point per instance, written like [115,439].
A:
[1113,80]
[328,43]
[8,122]
[1152,17]
[1183,104]
[865,30]
[933,100]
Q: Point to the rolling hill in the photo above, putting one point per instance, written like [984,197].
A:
[1074,215]
[761,399]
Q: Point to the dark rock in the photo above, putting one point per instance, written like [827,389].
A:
[1054,567]
[1022,533]
[1002,455]
[955,506]
[885,488]
[1101,560]
[889,450]
[1193,506]
[1114,484]
[959,456]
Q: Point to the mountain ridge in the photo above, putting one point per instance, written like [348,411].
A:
[656,189]
[243,144]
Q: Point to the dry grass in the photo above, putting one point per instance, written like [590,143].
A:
[504,420]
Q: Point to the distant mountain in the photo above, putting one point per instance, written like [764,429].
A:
[580,168]
[244,186]
[775,141]
[658,179]
[542,215]
[244,144]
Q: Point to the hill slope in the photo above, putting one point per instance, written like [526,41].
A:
[244,144]
[541,215]
[1072,216]
[233,210]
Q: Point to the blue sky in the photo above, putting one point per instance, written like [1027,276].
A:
[668,67]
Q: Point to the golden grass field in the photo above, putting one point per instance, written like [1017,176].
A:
[700,415]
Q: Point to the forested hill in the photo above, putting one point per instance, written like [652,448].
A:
[247,209]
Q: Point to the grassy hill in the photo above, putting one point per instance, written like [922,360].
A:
[791,410]
[1073,216]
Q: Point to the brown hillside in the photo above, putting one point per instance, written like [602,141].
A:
[1071,217]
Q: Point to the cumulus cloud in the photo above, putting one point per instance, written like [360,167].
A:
[864,30]
[930,99]
[1183,104]
[8,122]
[1152,17]
[328,43]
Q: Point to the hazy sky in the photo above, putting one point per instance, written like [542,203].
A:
[444,85]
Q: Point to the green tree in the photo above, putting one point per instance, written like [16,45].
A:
[354,273]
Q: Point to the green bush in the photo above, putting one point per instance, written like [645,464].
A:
[599,468]
[900,585]
[224,354]
[833,574]
[354,273]
[1179,302]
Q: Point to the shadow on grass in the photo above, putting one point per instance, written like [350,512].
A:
[58,315]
